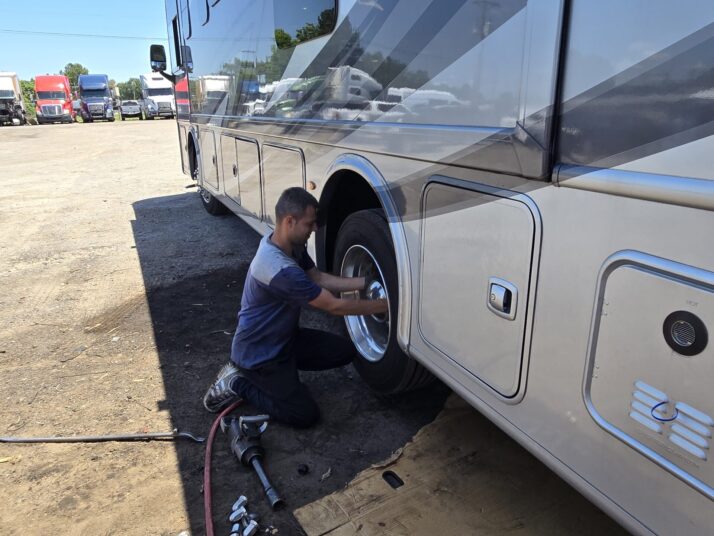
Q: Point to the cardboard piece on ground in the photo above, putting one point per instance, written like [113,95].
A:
[463,476]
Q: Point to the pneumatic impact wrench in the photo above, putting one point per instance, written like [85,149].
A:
[245,433]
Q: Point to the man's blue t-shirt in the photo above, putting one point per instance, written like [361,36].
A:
[276,287]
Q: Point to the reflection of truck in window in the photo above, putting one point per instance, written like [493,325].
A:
[183,102]
[212,93]
[54,99]
[158,96]
[12,107]
[96,98]
[533,191]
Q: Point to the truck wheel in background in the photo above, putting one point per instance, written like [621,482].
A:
[111,119]
[141,116]
[364,248]
[211,204]
[123,118]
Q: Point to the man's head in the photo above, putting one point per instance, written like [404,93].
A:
[296,215]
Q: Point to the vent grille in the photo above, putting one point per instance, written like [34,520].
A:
[683,333]
[689,428]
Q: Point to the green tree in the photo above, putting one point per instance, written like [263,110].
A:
[72,71]
[325,24]
[28,93]
[283,39]
[131,89]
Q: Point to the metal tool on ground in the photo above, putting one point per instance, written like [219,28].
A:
[250,529]
[238,514]
[242,501]
[245,433]
[149,436]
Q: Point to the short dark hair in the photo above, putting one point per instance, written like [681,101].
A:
[294,202]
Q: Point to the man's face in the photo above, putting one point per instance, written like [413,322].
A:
[300,229]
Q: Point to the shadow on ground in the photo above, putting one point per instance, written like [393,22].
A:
[194,267]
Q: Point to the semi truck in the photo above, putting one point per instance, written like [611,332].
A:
[539,217]
[96,98]
[12,107]
[53,99]
[158,96]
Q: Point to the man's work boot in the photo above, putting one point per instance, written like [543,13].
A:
[220,395]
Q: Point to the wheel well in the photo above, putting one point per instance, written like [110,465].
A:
[346,192]
[192,163]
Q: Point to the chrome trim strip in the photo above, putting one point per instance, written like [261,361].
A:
[665,267]
[506,132]
[363,167]
[673,190]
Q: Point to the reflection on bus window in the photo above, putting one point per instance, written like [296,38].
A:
[297,21]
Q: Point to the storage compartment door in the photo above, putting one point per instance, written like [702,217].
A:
[229,160]
[248,160]
[651,363]
[477,251]
[208,159]
[283,167]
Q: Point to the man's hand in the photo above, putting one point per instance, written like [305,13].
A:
[327,302]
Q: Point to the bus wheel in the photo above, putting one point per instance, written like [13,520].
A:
[211,204]
[364,249]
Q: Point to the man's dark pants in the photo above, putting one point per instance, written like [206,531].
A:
[275,388]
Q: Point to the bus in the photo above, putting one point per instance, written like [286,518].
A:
[530,183]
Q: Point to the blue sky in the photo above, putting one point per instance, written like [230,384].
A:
[121,59]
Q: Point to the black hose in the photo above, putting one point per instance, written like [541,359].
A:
[151,436]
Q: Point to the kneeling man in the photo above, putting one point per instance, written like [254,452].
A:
[269,347]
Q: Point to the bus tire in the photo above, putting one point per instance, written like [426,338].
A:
[212,205]
[364,238]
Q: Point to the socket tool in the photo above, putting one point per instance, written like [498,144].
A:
[245,433]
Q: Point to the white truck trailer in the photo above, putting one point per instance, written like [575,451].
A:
[12,107]
[158,96]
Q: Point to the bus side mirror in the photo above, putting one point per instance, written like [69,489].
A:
[157,55]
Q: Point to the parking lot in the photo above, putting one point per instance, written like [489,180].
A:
[119,301]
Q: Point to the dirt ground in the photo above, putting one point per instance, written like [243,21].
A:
[118,305]
[119,299]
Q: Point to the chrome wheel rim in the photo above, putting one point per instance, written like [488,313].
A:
[205,195]
[370,333]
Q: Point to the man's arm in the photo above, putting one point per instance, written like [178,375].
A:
[327,302]
[334,283]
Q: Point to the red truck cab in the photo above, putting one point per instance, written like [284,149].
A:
[54,99]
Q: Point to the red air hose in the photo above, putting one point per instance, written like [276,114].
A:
[207,468]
